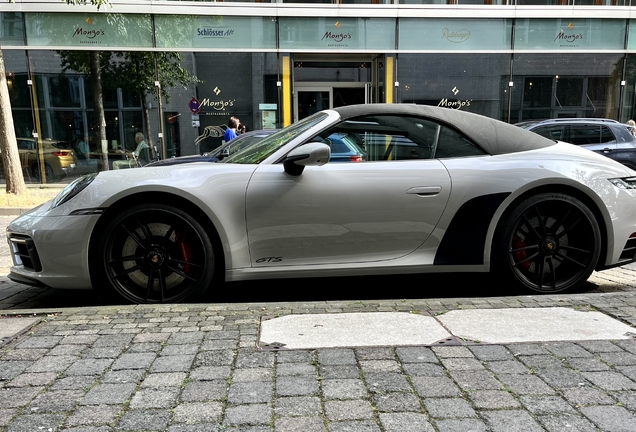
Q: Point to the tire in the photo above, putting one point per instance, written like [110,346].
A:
[155,253]
[550,243]
[48,171]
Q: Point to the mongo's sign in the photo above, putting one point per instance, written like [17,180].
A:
[458,104]
[89,35]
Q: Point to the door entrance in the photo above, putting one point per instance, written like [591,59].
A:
[330,82]
[315,97]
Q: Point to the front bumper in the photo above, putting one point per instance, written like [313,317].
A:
[50,251]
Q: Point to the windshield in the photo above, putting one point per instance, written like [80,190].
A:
[260,151]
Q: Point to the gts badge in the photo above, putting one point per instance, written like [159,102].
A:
[269,259]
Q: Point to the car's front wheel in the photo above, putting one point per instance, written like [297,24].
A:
[550,242]
[154,253]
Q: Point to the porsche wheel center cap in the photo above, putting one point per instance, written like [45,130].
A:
[549,245]
[156,258]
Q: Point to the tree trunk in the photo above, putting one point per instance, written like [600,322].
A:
[8,143]
[98,102]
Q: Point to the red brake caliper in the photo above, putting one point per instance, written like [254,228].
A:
[186,252]
[520,253]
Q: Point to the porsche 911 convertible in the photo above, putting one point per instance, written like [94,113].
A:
[441,191]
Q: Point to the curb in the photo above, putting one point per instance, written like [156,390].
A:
[13,211]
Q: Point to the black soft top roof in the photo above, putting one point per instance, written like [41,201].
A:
[494,136]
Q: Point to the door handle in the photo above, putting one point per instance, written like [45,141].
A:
[424,190]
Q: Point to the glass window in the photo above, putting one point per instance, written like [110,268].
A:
[564,85]
[66,125]
[257,153]
[590,134]
[454,34]
[64,91]
[569,91]
[469,82]
[570,34]
[23,121]
[19,91]
[453,144]
[109,96]
[333,34]
[537,92]
[132,122]
[129,99]
[397,138]
[11,28]
[94,30]
[551,132]
[215,32]
[390,138]
[629,93]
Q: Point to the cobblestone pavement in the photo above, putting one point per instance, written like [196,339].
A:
[187,368]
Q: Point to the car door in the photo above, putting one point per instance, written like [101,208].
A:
[340,213]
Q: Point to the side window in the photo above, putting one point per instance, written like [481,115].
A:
[551,132]
[385,138]
[26,145]
[452,144]
[606,135]
[587,134]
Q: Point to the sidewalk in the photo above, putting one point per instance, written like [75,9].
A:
[46,191]
[197,368]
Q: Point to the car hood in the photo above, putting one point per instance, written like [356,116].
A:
[183,159]
[199,182]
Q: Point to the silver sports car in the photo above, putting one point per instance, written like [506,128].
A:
[441,191]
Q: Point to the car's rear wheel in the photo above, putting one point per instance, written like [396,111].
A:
[550,243]
[154,253]
[48,170]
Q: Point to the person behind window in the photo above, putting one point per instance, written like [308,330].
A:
[234,128]
[140,157]
[632,126]
[81,149]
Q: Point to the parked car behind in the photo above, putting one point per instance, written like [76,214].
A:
[344,148]
[59,158]
[605,136]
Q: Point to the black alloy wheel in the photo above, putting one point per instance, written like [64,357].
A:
[551,243]
[157,254]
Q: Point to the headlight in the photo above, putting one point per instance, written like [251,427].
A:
[624,183]
[73,188]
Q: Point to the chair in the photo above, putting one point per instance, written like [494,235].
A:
[24,161]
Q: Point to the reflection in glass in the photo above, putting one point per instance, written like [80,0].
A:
[566,85]
[467,82]
[569,91]
[11,28]
[310,102]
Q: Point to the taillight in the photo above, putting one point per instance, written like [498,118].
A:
[60,153]
[356,158]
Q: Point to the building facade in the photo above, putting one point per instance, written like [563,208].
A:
[271,64]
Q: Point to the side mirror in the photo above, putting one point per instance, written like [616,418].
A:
[312,154]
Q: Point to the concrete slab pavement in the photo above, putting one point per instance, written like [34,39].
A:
[11,327]
[491,326]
